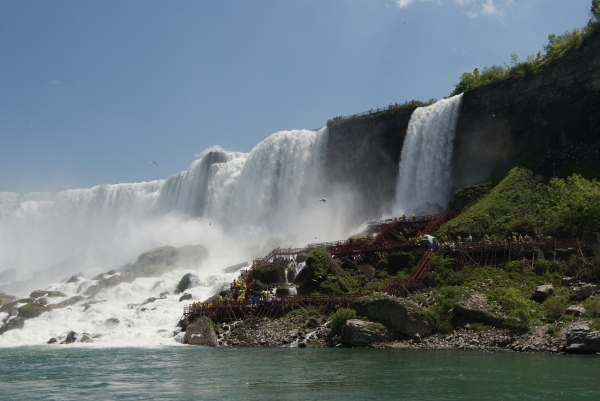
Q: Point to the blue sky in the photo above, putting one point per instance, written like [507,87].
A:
[92,92]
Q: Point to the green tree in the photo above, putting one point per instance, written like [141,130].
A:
[594,12]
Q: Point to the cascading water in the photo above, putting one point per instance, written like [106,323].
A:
[424,181]
[273,190]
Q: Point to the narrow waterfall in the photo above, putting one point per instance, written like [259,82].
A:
[424,181]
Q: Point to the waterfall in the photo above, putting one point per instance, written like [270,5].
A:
[424,181]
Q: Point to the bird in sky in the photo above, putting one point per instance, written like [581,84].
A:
[323,200]
[404,22]
[153,162]
[209,224]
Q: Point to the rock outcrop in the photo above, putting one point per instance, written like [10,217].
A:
[395,313]
[542,292]
[185,283]
[582,340]
[201,332]
[360,333]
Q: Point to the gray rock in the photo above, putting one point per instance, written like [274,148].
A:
[582,340]
[235,268]
[99,277]
[566,281]
[73,279]
[584,291]
[93,290]
[393,313]
[201,332]
[38,294]
[69,302]
[149,300]
[542,292]
[185,297]
[52,341]
[163,294]
[575,310]
[185,283]
[14,323]
[71,338]
[85,338]
[111,272]
[359,333]
[56,294]
[112,322]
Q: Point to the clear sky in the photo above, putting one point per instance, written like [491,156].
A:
[92,92]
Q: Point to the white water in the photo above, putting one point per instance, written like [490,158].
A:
[238,205]
[425,177]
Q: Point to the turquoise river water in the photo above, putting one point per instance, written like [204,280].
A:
[194,373]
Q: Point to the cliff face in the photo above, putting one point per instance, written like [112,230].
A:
[500,124]
[503,122]
[363,155]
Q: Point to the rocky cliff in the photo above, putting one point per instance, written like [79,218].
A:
[500,125]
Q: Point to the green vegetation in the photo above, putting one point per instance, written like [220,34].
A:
[390,111]
[557,46]
[30,310]
[524,203]
[339,319]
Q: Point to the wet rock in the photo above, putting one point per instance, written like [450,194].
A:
[31,310]
[11,324]
[112,322]
[582,340]
[185,283]
[393,313]
[185,297]
[542,292]
[359,333]
[302,344]
[93,290]
[56,294]
[73,279]
[99,277]
[235,268]
[149,300]
[201,332]
[111,272]
[69,302]
[38,294]
[575,310]
[71,338]
[163,294]
[52,341]
[41,301]
[85,338]
[290,274]
[584,291]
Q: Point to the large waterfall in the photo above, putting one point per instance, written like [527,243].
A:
[424,181]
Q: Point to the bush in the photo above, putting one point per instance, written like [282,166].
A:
[555,307]
[339,319]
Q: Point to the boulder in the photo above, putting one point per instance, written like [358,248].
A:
[56,294]
[359,333]
[149,300]
[566,281]
[185,283]
[69,302]
[393,313]
[93,290]
[192,255]
[99,277]
[582,340]
[575,310]
[235,268]
[11,324]
[38,294]
[163,294]
[85,338]
[185,297]
[476,308]
[31,310]
[542,292]
[584,291]
[71,338]
[163,256]
[52,341]
[111,322]
[8,307]
[111,272]
[73,279]
[201,332]
[270,273]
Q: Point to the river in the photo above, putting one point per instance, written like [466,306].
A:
[195,373]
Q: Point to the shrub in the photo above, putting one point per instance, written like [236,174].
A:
[555,307]
[339,319]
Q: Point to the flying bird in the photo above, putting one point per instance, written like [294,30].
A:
[153,162]
[404,22]
[323,200]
